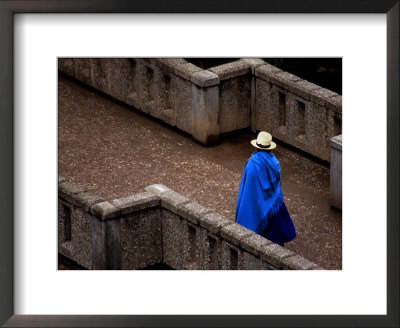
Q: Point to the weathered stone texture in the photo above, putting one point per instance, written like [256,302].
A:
[251,262]
[67,191]
[205,103]
[205,79]
[171,201]
[275,254]
[83,70]
[183,104]
[86,200]
[141,239]
[235,104]
[235,233]
[172,231]
[205,111]
[186,70]
[157,189]
[106,241]
[230,256]
[192,212]
[136,202]
[210,250]
[254,63]
[67,66]
[105,211]
[254,243]
[336,172]
[231,70]
[298,262]
[82,238]
[65,213]
[100,74]
[214,222]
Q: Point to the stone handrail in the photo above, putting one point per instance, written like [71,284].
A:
[207,103]
[160,226]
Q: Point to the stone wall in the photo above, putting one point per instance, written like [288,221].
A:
[296,111]
[160,226]
[336,172]
[206,103]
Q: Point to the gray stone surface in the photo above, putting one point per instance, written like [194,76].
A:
[82,238]
[106,244]
[251,262]
[120,76]
[278,77]
[265,71]
[192,212]
[298,262]
[172,232]
[335,104]
[105,211]
[266,106]
[141,239]
[183,104]
[171,201]
[321,96]
[136,202]
[205,79]
[254,63]
[86,200]
[235,104]
[157,189]
[186,70]
[191,246]
[317,131]
[231,70]
[67,66]
[181,94]
[336,172]
[254,243]
[83,69]
[230,256]
[205,111]
[235,233]
[210,250]
[65,215]
[303,88]
[100,74]
[213,222]
[275,254]
[67,190]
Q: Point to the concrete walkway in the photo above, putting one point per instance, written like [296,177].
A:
[111,149]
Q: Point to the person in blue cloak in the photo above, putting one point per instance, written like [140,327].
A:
[260,206]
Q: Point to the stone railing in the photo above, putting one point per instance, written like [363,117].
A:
[296,111]
[336,172]
[160,226]
[206,103]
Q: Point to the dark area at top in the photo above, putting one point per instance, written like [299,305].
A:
[325,72]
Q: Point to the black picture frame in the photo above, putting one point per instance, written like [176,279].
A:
[7,11]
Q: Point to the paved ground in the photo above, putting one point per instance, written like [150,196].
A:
[116,151]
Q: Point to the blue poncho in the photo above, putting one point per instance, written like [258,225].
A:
[260,195]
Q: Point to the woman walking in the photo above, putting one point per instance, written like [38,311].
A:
[260,206]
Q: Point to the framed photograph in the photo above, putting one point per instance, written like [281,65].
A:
[36,35]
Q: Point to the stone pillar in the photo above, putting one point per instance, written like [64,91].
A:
[205,107]
[336,172]
[106,237]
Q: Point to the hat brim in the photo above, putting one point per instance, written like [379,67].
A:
[254,143]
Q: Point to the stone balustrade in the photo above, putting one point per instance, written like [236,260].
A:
[246,93]
[160,226]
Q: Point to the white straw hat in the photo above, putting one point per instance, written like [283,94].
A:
[263,141]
